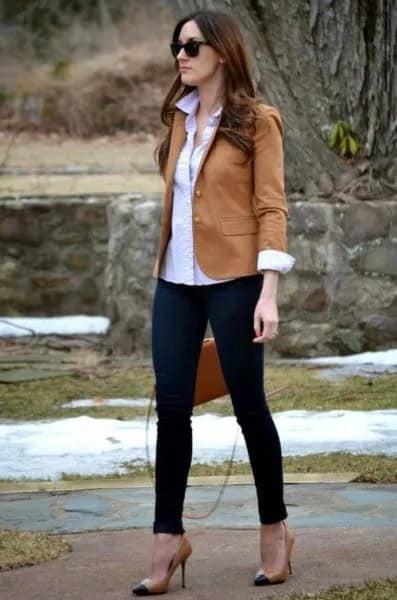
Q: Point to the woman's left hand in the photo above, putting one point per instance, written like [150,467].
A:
[265,319]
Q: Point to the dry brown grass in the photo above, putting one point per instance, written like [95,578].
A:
[372,589]
[124,153]
[114,81]
[23,548]
[103,95]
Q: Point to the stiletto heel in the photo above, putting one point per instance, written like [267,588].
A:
[183,572]
[262,578]
[148,588]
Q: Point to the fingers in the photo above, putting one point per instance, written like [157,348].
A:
[264,338]
[265,320]
[264,330]
[257,324]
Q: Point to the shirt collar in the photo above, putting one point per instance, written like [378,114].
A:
[189,103]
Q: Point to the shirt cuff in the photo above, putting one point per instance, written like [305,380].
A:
[275,260]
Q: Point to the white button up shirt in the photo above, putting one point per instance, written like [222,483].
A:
[180,264]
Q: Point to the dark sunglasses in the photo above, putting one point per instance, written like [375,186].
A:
[192,48]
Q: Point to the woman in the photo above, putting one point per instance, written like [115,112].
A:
[222,246]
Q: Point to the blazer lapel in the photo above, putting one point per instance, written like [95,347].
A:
[207,149]
[178,136]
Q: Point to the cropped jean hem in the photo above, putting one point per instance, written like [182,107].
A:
[168,528]
[270,519]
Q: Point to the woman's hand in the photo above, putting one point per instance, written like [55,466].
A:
[266,312]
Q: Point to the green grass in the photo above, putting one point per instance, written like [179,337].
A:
[371,590]
[42,399]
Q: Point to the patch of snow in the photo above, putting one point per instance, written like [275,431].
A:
[89,446]
[70,325]
[107,402]
[381,357]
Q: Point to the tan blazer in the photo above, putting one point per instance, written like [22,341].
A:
[238,209]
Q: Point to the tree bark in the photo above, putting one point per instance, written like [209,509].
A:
[319,62]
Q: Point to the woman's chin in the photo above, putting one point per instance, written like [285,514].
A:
[187,79]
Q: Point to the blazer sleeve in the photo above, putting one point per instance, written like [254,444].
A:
[269,200]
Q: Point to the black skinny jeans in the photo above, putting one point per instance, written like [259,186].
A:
[180,316]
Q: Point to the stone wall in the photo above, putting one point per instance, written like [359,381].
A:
[53,254]
[96,255]
[133,235]
[340,297]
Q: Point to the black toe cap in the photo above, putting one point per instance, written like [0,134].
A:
[140,590]
[261,580]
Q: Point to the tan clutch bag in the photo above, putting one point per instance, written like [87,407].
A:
[210,382]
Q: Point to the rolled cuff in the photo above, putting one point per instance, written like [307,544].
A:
[275,260]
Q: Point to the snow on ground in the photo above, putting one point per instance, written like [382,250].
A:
[381,357]
[107,402]
[365,364]
[89,446]
[71,325]
[82,324]
[354,364]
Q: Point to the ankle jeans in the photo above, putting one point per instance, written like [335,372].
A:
[179,318]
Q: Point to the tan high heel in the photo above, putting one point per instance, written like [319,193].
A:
[146,588]
[263,578]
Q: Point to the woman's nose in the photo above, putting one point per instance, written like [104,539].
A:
[184,55]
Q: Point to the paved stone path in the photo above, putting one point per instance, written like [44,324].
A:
[346,533]
[309,505]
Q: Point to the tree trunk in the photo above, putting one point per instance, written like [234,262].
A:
[320,61]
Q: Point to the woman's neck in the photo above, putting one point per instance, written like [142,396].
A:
[211,96]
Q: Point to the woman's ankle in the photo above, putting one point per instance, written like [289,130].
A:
[167,535]
[272,526]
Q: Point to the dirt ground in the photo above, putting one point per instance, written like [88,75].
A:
[75,185]
[119,153]
[105,565]
[55,165]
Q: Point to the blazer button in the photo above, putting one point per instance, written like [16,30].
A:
[198,193]
[197,219]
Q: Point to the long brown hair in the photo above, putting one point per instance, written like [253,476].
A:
[223,34]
